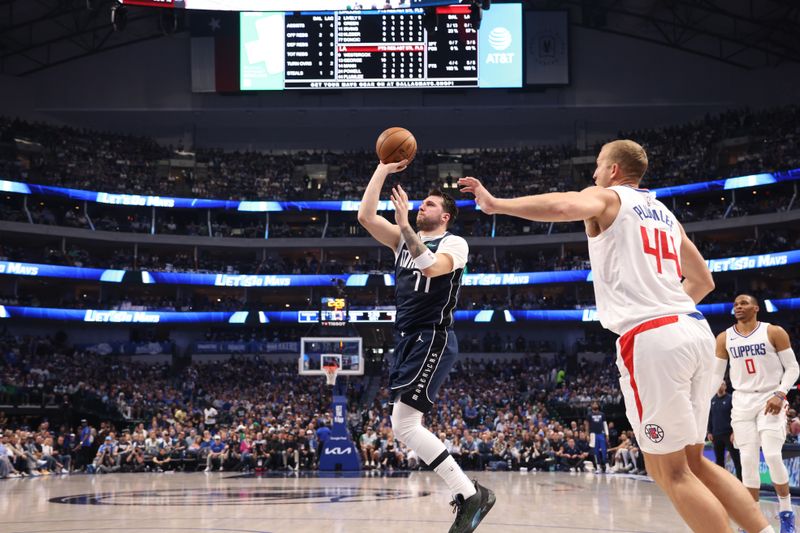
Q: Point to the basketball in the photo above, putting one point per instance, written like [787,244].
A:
[396,144]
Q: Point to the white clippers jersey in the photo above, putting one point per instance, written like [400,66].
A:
[636,263]
[755,365]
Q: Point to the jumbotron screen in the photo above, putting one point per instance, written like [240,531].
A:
[381,49]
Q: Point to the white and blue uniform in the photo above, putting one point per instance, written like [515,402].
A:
[426,346]
[756,373]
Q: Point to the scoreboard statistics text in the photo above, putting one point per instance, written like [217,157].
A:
[381,49]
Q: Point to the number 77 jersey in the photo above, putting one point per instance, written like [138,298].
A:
[424,302]
[636,263]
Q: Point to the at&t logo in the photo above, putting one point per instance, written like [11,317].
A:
[500,39]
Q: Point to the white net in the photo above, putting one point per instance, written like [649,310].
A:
[331,372]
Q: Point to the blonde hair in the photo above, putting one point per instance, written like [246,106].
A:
[630,156]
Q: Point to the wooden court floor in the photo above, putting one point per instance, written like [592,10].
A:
[416,502]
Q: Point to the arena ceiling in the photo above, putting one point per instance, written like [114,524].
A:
[751,34]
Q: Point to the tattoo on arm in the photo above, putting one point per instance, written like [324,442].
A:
[414,243]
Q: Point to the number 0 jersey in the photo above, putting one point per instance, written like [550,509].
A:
[636,263]
[428,302]
[755,365]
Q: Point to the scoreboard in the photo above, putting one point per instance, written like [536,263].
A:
[380,49]
[271,5]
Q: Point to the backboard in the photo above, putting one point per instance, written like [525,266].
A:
[345,351]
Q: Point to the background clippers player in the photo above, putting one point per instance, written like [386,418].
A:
[763,369]
[640,255]
[428,269]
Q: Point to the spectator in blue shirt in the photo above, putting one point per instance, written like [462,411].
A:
[323,434]
[85,445]
[217,451]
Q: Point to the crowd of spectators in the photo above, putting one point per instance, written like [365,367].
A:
[772,199]
[481,260]
[765,140]
[249,414]
[499,415]
[254,414]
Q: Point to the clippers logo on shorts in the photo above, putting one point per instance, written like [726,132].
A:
[654,432]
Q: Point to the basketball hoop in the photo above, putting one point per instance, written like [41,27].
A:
[331,372]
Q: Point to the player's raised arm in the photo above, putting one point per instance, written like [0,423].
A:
[589,203]
[384,231]
[698,281]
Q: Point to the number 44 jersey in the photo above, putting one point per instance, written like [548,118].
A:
[755,365]
[636,263]
[428,302]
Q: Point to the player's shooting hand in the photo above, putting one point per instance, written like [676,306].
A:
[483,198]
[400,202]
[774,406]
[394,168]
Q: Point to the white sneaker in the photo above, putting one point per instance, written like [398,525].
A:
[208,469]
[221,468]
[64,471]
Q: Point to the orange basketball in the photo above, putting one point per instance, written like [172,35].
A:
[396,144]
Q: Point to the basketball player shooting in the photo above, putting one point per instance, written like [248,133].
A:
[428,269]
[763,369]
[639,254]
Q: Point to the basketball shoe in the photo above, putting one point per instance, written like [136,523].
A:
[471,511]
[787,521]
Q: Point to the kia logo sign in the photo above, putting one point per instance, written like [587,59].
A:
[338,451]
[500,38]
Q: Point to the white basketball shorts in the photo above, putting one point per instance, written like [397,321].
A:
[748,419]
[666,379]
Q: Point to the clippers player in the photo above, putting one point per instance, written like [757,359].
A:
[428,269]
[763,369]
[639,254]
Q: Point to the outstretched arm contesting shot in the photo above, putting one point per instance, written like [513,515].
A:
[648,278]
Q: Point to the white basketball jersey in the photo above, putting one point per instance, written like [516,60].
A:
[636,263]
[755,365]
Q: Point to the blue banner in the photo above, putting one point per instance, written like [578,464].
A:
[369,315]
[264,206]
[252,206]
[57,271]
[523,278]
[121,317]
[254,280]
[739,182]
[727,264]
[749,262]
